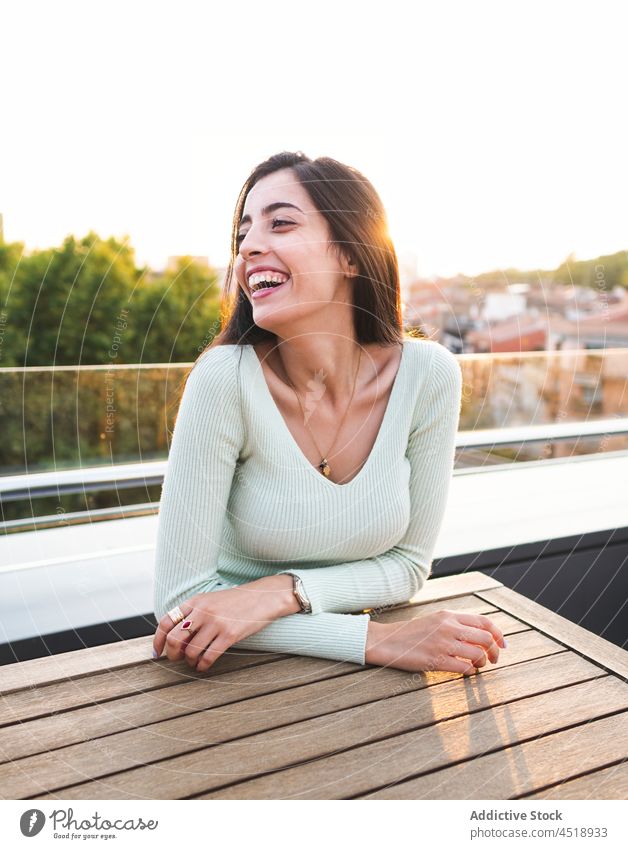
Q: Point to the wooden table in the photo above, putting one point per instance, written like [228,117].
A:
[548,721]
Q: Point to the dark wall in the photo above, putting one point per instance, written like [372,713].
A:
[583,578]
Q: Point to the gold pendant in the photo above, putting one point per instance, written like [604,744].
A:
[324,467]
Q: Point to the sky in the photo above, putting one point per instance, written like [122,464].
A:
[494,132]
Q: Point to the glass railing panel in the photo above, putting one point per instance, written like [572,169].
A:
[511,390]
[86,416]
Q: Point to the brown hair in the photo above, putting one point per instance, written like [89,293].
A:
[358,225]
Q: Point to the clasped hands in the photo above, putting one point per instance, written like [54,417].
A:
[222,618]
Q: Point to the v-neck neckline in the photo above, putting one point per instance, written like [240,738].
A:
[381,433]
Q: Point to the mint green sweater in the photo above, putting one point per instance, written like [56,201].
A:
[240,500]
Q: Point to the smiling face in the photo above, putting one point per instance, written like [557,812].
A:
[282,229]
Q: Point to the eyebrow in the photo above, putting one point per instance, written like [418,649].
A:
[270,208]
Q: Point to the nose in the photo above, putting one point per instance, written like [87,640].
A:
[251,244]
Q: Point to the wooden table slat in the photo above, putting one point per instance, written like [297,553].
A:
[481,775]
[513,772]
[319,737]
[155,705]
[220,725]
[612,657]
[609,783]
[110,723]
[442,589]
[73,665]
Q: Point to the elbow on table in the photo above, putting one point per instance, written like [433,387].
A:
[421,572]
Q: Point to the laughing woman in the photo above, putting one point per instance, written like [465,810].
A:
[313,448]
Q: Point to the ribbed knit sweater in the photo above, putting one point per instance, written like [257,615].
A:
[240,501]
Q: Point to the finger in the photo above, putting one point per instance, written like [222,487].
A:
[166,625]
[485,624]
[212,653]
[475,654]
[159,640]
[454,664]
[482,638]
[198,643]
[176,642]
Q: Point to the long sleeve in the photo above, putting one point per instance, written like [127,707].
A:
[206,442]
[399,573]
[337,636]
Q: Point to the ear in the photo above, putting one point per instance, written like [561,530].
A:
[349,266]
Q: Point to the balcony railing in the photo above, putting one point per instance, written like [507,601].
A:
[143,475]
[90,443]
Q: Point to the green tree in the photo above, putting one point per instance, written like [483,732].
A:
[67,300]
[177,314]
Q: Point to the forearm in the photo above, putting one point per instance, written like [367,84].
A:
[277,593]
[359,585]
[335,636]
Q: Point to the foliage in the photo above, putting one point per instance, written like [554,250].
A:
[86,303]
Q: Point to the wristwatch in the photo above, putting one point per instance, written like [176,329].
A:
[299,591]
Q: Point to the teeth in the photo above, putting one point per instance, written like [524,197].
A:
[257,280]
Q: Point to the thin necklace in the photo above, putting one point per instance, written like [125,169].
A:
[324,466]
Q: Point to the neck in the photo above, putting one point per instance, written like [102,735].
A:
[320,366]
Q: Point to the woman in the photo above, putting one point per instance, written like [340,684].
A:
[313,447]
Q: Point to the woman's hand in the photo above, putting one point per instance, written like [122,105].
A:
[222,618]
[435,642]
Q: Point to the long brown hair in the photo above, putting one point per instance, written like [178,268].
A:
[359,227]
